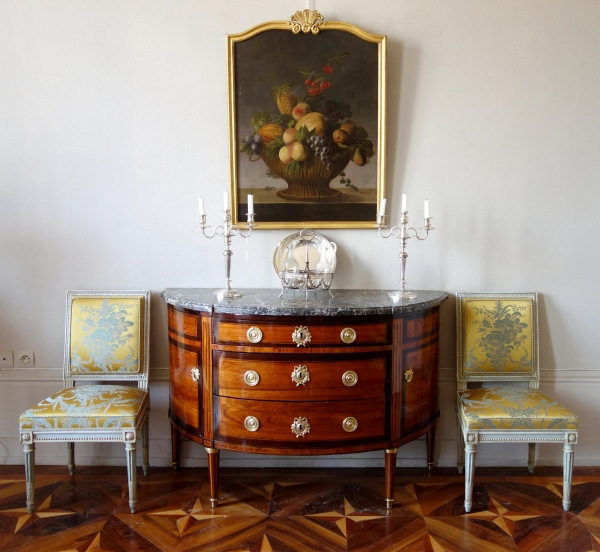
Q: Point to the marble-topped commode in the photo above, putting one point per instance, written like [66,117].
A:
[345,302]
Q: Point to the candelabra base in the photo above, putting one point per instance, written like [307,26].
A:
[402,295]
[228,293]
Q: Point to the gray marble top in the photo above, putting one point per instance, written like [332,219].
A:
[345,302]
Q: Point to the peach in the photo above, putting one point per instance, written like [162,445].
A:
[298,151]
[284,155]
[289,136]
[350,128]
[300,110]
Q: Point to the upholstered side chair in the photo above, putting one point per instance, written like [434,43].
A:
[497,336]
[106,340]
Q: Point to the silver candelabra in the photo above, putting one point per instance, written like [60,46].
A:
[227,230]
[403,233]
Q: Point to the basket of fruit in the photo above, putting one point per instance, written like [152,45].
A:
[312,138]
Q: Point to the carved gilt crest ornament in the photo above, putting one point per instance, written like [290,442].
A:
[306,21]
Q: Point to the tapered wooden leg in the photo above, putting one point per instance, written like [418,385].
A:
[29,449]
[213,475]
[175,446]
[71,457]
[390,475]
[430,447]
[460,447]
[567,473]
[131,475]
[531,457]
[145,446]
[470,449]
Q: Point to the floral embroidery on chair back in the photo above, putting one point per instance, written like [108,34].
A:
[105,335]
[497,336]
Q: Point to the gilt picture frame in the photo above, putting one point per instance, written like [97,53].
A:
[307,123]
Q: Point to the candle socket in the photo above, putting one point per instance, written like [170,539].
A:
[227,230]
[403,233]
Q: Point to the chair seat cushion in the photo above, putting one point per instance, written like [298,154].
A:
[100,407]
[502,408]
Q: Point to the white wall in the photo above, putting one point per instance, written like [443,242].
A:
[113,119]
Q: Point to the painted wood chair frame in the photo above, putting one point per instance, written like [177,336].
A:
[128,434]
[469,437]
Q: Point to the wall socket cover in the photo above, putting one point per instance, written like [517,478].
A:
[6,358]
[25,359]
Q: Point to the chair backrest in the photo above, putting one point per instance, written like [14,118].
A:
[497,338]
[107,336]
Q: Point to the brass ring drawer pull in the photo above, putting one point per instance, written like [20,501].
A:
[348,335]
[350,424]
[301,336]
[408,375]
[349,378]
[300,427]
[251,378]
[251,423]
[300,375]
[254,334]
[195,374]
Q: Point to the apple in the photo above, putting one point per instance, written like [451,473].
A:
[341,137]
[289,136]
[298,151]
[284,155]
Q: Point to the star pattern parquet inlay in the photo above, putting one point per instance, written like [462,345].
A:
[304,510]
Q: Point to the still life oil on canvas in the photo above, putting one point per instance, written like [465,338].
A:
[307,114]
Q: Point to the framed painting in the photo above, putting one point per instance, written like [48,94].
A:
[307,123]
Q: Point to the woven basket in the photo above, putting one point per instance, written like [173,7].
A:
[311,183]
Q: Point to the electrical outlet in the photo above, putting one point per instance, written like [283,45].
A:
[25,359]
[6,358]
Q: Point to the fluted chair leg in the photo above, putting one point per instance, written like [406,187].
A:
[145,446]
[470,450]
[29,449]
[531,458]
[71,457]
[131,475]
[460,448]
[567,473]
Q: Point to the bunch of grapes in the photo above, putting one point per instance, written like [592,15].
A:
[323,148]
[255,143]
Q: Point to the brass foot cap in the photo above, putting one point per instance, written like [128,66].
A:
[389,502]
[429,466]
[214,502]
[175,466]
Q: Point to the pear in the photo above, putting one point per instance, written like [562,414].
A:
[359,157]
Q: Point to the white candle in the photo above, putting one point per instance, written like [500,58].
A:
[225,201]
[201,206]
[250,204]
[404,203]
[426,209]
[382,207]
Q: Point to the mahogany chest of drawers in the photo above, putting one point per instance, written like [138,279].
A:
[297,376]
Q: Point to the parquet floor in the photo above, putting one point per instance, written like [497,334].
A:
[299,510]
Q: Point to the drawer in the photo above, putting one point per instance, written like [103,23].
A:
[299,377]
[250,420]
[266,333]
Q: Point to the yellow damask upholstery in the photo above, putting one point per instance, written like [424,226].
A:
[105,335]
[498,337]
[497,342]
[89,407]
[512,408]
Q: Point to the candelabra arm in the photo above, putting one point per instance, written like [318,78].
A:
[227,230]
